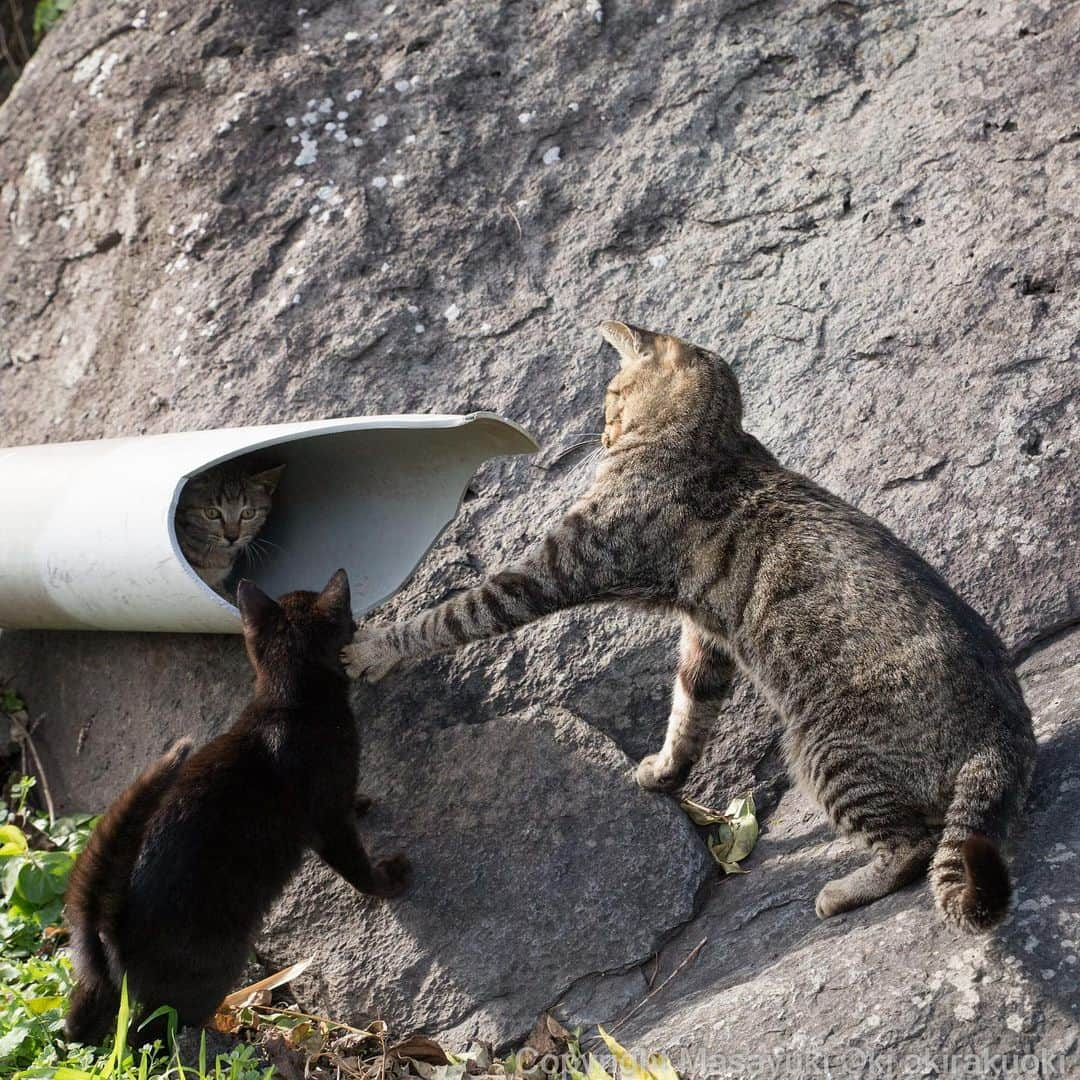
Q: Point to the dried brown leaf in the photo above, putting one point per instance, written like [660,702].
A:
[420,1048]
[548,1036]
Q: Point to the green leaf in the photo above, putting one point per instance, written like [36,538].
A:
[732,868]
[721,841]
[12,1041]
[10,702]
[660,1067]
[9,878]
[735,834]
[46,15]
[34,884]
[741,815]
[629,1067]
[12,841]
[40,1005]
[596,1071]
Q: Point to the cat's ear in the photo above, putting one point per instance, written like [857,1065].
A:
[257,611]
[636,346]
[336,599]
[627,340]
[268,479]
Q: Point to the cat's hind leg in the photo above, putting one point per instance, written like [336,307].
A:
[894,864]
[703,681]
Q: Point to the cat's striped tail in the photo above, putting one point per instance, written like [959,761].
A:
[96,891]
[969,877]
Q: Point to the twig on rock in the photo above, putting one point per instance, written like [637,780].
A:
[26,742]
[690,957]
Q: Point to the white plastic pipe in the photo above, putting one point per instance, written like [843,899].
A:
[88,537]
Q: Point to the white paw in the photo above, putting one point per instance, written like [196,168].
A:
[832,900]
[370,656]
[654,773]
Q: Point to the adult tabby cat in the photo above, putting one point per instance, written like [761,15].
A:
[902,715]
[184,865]
[220,513]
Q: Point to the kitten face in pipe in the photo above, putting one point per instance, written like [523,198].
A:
[221,512]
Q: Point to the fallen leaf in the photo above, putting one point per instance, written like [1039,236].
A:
[286,975]
[699,814]
[657,1067]
[734,835]
[420,1048]
[548,1036]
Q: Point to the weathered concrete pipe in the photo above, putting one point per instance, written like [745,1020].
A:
[88,537]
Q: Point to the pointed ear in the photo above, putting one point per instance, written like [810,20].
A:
[626,340]
[336,600]
[268,478]
[258,612]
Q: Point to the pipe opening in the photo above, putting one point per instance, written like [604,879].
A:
[371,500]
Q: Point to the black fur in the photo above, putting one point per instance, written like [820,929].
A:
[177,878]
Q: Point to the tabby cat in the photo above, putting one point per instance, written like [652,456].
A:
[220,513]
[179,873]
[901,713]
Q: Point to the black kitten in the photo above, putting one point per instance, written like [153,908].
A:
[178,875]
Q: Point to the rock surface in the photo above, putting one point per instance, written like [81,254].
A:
[890,990]
[870,208]
[535,858]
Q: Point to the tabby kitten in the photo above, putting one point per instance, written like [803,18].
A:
[221,511]
[902,715]
[179,873]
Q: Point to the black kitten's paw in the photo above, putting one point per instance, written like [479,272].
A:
[362,804]
[392,877]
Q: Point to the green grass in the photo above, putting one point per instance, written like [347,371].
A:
[36,857]
[47,14]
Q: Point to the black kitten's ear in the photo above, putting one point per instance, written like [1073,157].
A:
[336,600]
[258,612]
[268,479]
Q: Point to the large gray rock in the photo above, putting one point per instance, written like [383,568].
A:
[877,991]
[871,209]
[537,859]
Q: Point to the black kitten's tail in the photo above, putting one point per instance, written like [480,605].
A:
[96,892]
[969,876]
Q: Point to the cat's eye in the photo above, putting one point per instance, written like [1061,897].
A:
[212,512]
[247,515]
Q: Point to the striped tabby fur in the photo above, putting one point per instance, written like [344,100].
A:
[902,715]
[219,515]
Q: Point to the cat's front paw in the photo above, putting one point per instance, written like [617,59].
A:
[834,899]
[656,773]
[370,656]
[393,876]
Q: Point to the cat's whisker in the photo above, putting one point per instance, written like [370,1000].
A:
[269,546]
[568,450]
[586,462]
